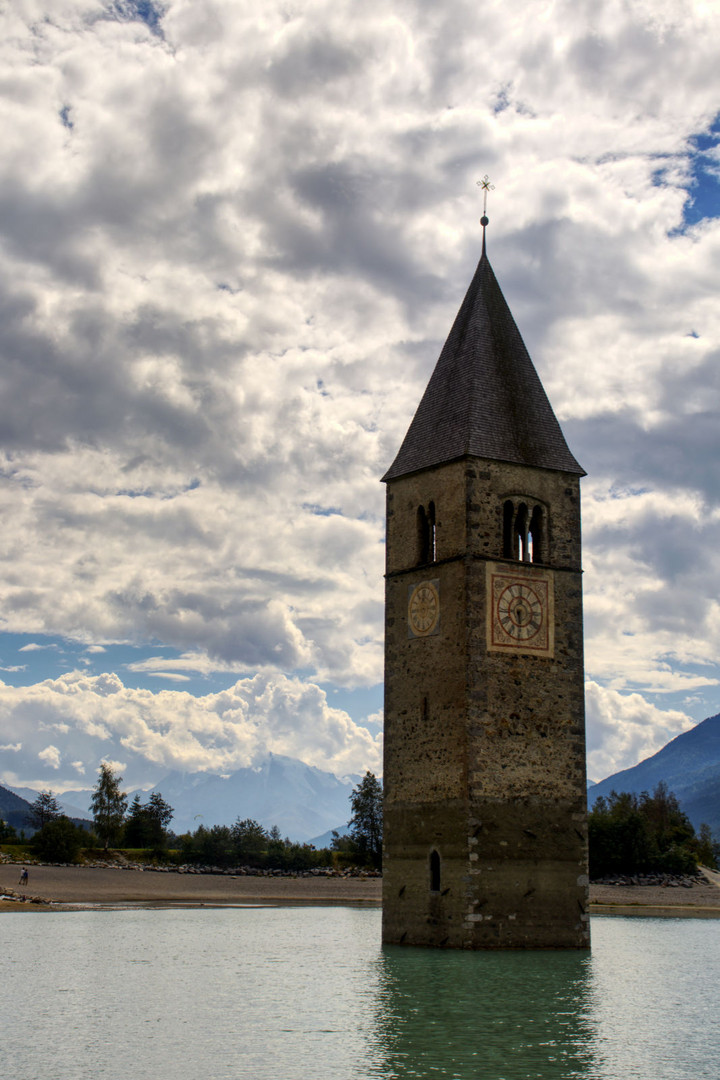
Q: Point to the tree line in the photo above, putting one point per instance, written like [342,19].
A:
[247,843]
[145,826]
[59,838]
[639,834]
[628,834]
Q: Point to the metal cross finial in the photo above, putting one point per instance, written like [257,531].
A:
[486,186]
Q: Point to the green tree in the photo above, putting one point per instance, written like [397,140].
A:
[160,811]
[108,805]
[250,841]
[276,848]
[44,809]
[212,847]
[669,825]
[146,826]
[344,849]
[59,840]
[706,847]
[135,832]
[7,832]
[366,823]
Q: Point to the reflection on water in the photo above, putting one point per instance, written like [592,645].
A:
[310,994]
[495,1015]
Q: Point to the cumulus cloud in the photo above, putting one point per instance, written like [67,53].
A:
[217,321]
[623,729]
[50,756]
[97,718]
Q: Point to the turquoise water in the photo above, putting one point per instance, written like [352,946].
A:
[309,994]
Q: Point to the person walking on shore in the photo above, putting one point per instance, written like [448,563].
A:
[24,876]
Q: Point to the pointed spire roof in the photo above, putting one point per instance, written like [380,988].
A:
[484,398]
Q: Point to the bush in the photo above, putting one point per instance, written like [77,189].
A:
[247,843]
[59,840]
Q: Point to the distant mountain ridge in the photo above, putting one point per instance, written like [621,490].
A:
[303,801]
[66,807]
[306,803]
[13,809]
[688,764]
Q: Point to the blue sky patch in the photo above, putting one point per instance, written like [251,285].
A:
[26,659]
[140,11]
[704,187]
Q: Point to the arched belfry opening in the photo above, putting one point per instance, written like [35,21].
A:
[521,537]
[535,537]
[508,521]
[524,530]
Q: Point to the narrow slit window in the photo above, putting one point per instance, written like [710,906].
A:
[432,533]
[423,535]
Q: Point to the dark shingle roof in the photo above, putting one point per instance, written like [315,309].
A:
[484,398]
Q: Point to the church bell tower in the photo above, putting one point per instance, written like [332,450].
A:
[484,772]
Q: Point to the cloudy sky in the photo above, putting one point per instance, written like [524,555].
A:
[233,237]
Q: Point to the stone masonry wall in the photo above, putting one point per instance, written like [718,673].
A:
[484,751]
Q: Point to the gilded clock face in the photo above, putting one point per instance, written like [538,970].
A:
[520,610]
[424,609]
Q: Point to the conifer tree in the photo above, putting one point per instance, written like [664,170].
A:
[366,823]
[43,810]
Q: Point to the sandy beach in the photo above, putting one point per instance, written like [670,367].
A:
[63,888]
[702,901]
[90,887]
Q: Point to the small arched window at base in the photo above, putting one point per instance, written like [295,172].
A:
[434,871]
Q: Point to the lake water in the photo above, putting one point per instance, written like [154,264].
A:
[309,994]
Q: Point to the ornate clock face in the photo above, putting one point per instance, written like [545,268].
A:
[424,609]
[520,610]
